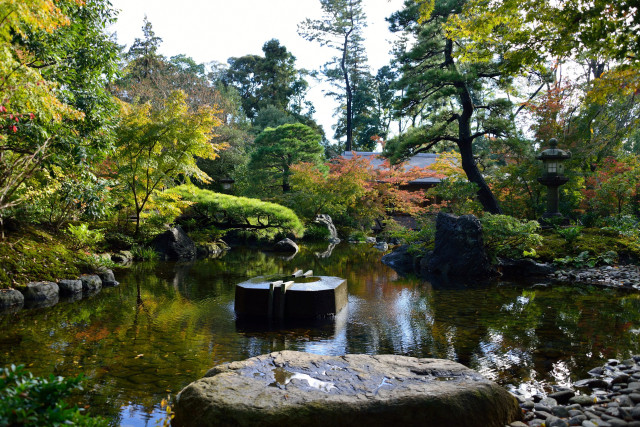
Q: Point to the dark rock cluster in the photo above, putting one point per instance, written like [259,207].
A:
[47,294]
[610,398]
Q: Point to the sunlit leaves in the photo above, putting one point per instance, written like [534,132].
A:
[155,146]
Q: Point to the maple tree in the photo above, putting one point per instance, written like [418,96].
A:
[614,187]
[354,189]
[157,145]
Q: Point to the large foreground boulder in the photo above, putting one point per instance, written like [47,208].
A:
[174,244]
[91,283]
[70,287]
[290,388]
[459,248]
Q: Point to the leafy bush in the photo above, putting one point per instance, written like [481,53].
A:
[118,241]
[585,259]
[570,234]
[229,212]
[206,235]
[507,236]
[85,237]
[143,253]
[624,225]
[28,400]
[90,263]
[316,232]
[358,236]
[420,241]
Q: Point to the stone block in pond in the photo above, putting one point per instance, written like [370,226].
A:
[301,389]
[307,298]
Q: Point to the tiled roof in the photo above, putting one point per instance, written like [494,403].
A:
[420,160]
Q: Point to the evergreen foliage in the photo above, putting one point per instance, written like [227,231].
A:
[229,212]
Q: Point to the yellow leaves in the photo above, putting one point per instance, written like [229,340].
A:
[34,14]
[620,82]
[426,9]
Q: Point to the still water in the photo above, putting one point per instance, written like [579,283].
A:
[167,324]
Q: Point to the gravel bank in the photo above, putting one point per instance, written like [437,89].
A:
[610,398]
[622,277]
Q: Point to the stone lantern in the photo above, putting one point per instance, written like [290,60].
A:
[553,175]
[227,183]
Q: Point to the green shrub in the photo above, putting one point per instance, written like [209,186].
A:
[507,236]
[28,400]
[118,241]
[206,235]
[316,232]
[230,212]
[90,263]
[570,234]
[585,259]
[83,236]
[358,236]
[420,241]
[143,253]
[624,225]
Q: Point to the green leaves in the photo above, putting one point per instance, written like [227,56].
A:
[29,400]
[155,146]
[507,236]
[276,150]
[227,212]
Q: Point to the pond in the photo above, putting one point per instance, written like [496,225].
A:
[168,323]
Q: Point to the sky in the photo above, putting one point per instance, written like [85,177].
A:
[214,30]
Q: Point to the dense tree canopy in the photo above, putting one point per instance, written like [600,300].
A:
[276,150]
[455,104]
[269,80]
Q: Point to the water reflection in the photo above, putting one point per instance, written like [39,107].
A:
[168,323]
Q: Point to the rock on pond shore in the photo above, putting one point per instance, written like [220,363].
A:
[301,389]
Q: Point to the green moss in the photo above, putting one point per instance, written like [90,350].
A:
[594,240]
[34,255]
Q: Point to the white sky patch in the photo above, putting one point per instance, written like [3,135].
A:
[215,30]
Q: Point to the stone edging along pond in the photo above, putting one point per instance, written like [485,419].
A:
[47,294]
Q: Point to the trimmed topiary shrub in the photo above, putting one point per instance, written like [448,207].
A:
[225,212]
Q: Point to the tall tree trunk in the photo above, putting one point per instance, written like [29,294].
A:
[345,74]
[465,140]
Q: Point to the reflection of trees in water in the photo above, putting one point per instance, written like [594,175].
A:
[180,317]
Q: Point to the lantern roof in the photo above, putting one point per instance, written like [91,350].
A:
[554,153]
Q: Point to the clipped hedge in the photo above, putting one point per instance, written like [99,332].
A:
[230,212]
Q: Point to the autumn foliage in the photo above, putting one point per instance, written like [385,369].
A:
[614,187]
[354,190]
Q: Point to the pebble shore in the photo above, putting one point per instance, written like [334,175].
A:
[610,398]
[621,277]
